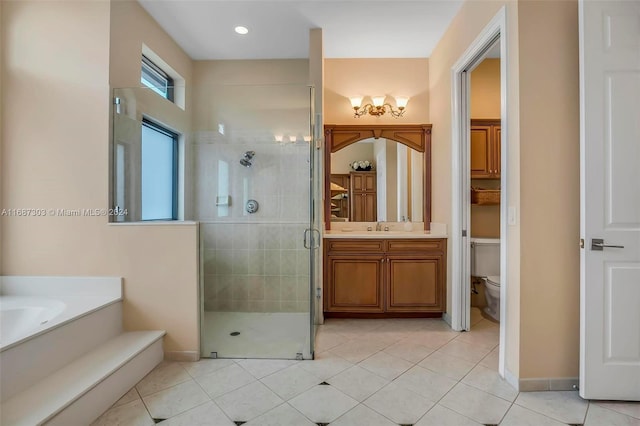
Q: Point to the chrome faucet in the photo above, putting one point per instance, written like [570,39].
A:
[378,226]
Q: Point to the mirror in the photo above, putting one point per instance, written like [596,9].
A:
[395,186]
[388,189]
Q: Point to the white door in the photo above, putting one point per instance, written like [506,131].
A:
[610,199]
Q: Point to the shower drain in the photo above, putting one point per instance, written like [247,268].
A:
[234,333]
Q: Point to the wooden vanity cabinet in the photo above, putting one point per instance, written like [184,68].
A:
[384,277]
[485,149]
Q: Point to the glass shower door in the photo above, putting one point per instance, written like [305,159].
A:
[253,198]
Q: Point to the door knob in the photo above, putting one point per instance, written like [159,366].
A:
[598,244]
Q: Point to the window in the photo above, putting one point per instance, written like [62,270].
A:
[155,78]
[159,185]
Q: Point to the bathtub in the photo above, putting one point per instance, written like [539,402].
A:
[31,306]
[45,322]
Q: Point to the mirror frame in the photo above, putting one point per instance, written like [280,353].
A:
[415,136]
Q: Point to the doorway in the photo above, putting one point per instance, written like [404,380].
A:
[491,42]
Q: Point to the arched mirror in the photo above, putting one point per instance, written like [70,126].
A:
[390,180]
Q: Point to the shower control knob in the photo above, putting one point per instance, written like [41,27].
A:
[252,206]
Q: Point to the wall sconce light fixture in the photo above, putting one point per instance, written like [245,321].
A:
[378,107]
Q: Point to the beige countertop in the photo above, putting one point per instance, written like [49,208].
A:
[382,234]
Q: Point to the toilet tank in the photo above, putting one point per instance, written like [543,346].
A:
[485,257]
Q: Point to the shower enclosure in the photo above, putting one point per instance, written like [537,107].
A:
[247,172]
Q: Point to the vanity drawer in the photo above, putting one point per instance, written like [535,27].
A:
[356,246]
[407,245]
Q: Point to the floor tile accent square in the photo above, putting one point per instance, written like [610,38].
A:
[224,380]
[358,383]
[131,414]
[475,404]
[427,383]
[290,382]
[175,400]
[385,365]
[207,414]
[564,406]
[323,404]
[283,415]
[164,376]
[399,404]
[362,415]
[248,402]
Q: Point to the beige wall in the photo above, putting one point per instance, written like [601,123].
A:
[485,89]
[63,163]
[375,77]
[550,214]
[465,27]
[543,320]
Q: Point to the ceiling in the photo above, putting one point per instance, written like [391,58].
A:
[280,29]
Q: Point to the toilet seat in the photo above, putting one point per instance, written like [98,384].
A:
[494,281]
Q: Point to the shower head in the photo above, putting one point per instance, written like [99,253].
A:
[246,158]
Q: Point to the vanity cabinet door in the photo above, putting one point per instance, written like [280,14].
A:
[414,283]
[354,284]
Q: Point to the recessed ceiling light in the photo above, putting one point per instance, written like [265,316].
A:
[241,30]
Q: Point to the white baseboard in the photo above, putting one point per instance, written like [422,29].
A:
[183,356]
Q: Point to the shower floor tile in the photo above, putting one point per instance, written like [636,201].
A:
[262,335]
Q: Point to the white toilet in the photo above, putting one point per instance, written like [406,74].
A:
[485,264]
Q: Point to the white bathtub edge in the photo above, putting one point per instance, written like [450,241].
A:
[54,286]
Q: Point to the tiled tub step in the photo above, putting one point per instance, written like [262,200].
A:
[82,390]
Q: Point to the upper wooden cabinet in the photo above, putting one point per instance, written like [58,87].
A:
[363,196]
[363,181]
[485,149]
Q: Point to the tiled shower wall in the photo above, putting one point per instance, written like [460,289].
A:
[253,262]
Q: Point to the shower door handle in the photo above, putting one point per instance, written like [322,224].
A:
[310,240]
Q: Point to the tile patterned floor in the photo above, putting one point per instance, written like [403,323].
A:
[366,373]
